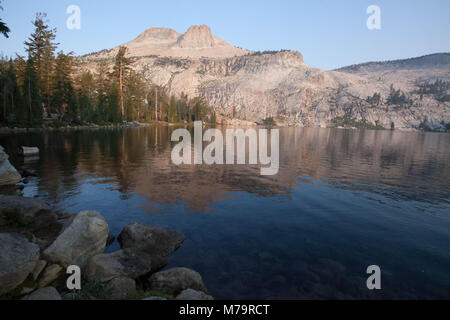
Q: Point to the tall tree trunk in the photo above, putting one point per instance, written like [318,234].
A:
[29,102]
[156,104]
[121,89]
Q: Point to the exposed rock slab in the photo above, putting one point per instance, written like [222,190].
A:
[8,174]
[191,294]
[154,298]
[46,294]
[82,239]
[124,263]
[18,258]
[176,280]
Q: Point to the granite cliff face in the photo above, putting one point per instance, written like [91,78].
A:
[197,37]
[254,86]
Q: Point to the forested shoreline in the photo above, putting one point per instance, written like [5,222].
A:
[49,89]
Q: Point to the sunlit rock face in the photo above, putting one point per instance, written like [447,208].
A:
[253,86]
[198,42]
[197,37]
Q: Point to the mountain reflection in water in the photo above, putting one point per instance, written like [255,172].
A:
[342,200]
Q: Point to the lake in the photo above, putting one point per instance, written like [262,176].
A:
[343,200]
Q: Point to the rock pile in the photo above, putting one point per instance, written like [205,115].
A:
[32,271]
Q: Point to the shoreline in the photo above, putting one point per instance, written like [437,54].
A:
[15,130]
[52,243]
[63,257]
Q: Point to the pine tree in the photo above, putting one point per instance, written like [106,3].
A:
[3,27]
[32,99]
[135,95]
[102,85]
[86,96]
[173,109]
[10,93]
[63,98]
[41,48]
[121,69]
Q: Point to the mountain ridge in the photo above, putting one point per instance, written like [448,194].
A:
[438,59]
[197,42]
[254,86]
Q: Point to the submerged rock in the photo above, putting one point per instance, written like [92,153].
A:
[190,294]
[124,263]
[48,293]
[153,240]
[18,258]
[84,237]
[8,174]
[176,280]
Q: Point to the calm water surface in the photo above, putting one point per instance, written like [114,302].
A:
[343,200]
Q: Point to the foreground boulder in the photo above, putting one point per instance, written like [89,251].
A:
[84,237]
[153,240]
[190,294]
[121,288]
[18,258]
[176,280]
[47,294]
[127,263]
[8,174]
[29,212]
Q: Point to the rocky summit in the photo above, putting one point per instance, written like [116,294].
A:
[278,85]
[197,42]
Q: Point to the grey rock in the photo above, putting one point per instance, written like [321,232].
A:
[121,288]
[18,258]
[8,174]
[124,263]
[27,211]
[28,151]
[40,265]
[176,280]
[190,294]
[47,294]
[64,215]
[29,173]
[155,299]
[27,289]
[50,274]
[82,239]
[154,240]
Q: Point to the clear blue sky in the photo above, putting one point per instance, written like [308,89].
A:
[329,33]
